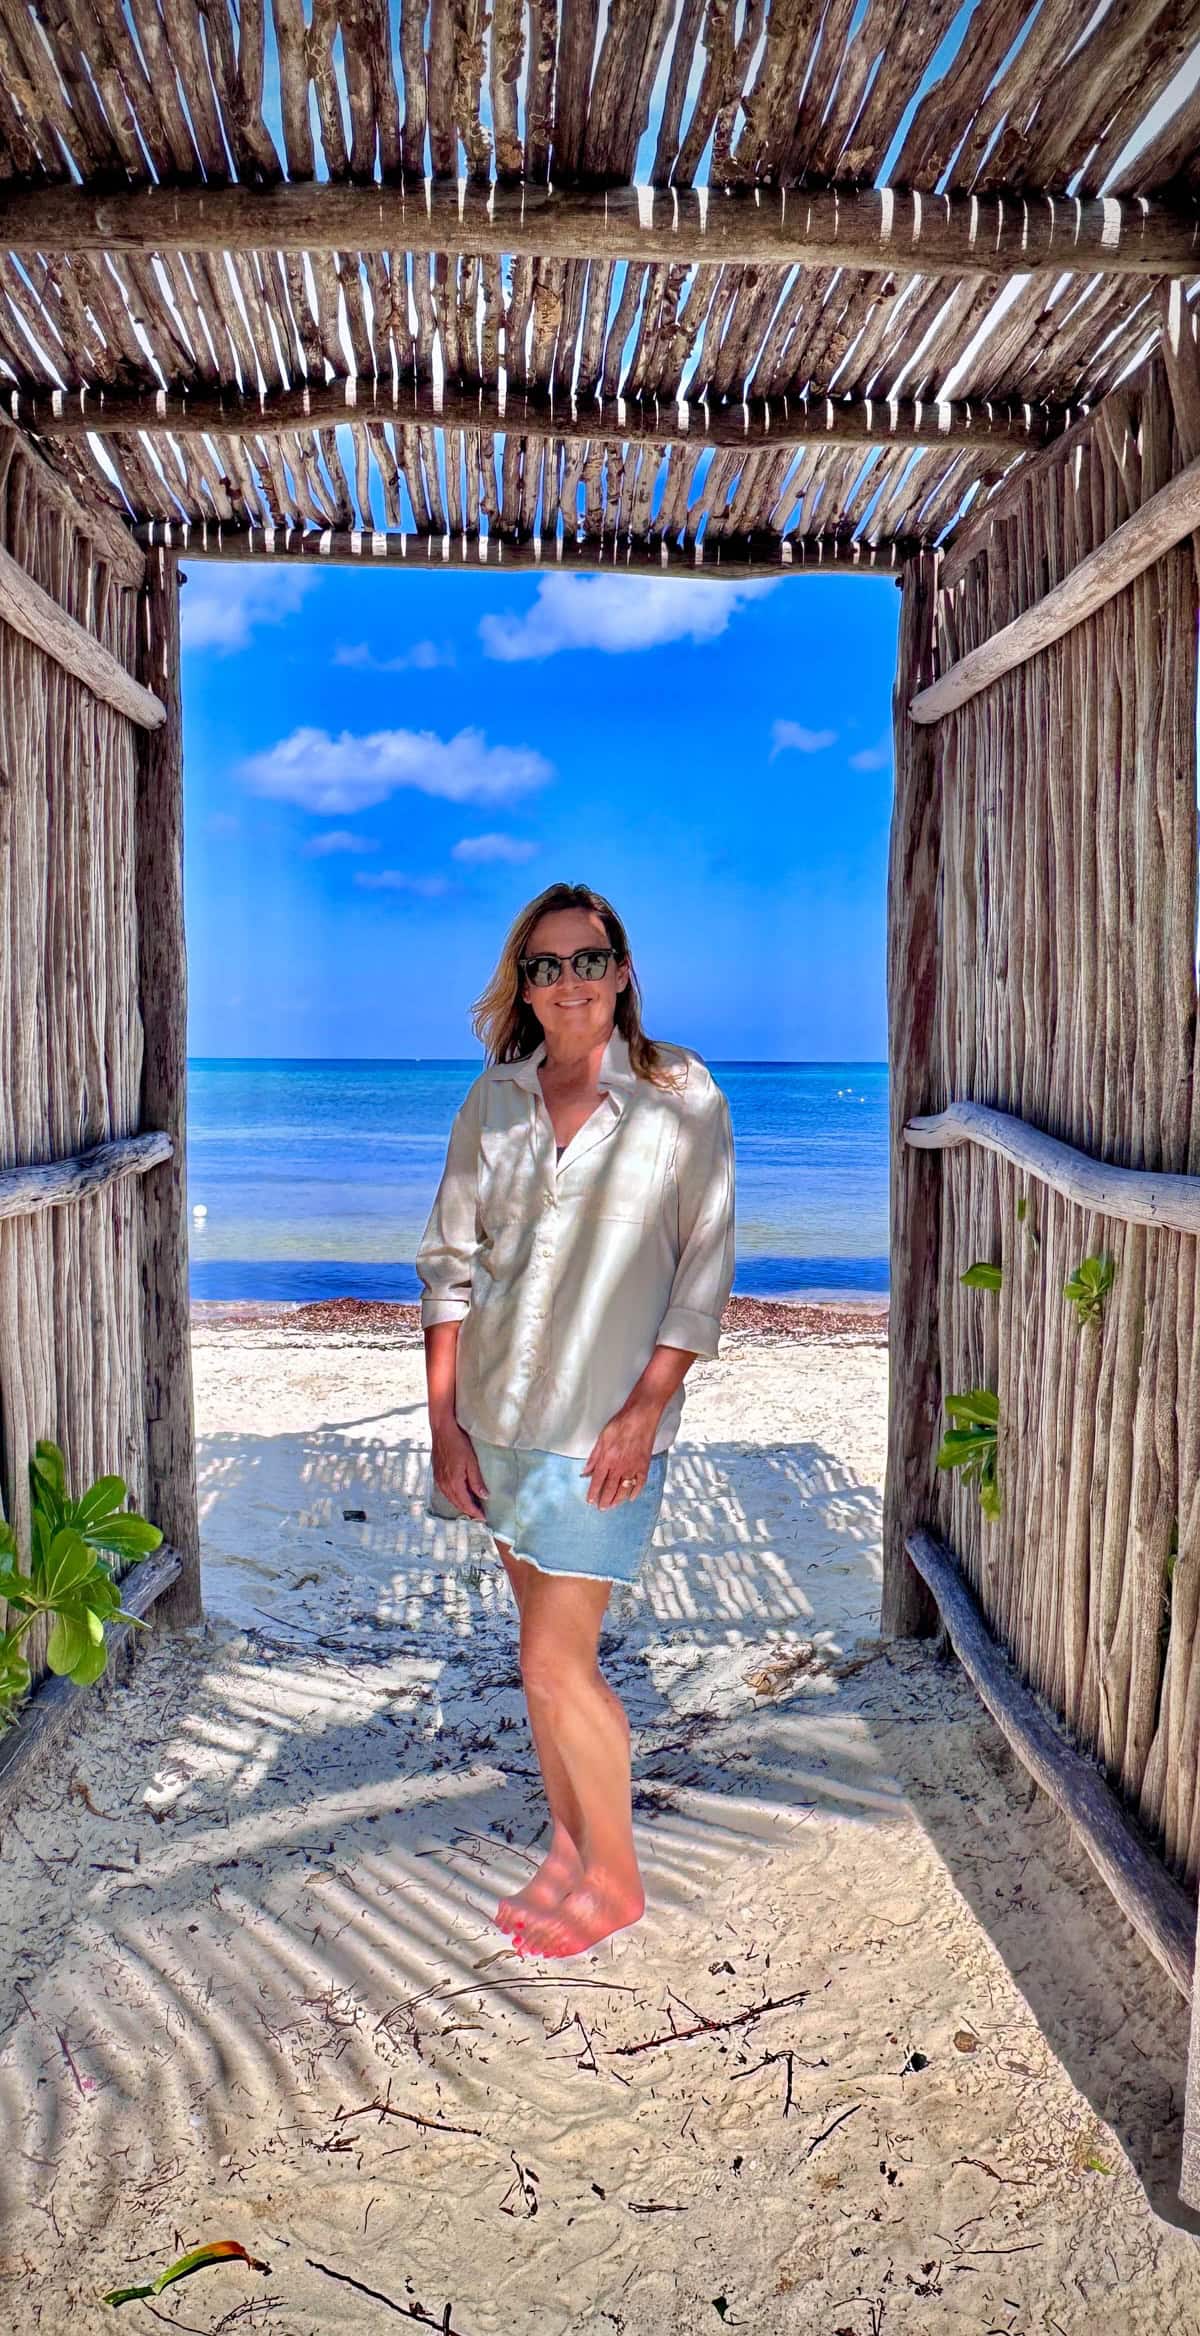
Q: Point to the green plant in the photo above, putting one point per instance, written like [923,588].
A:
[1023,1218]
[69,1578]
[971,1444]
[982,1276]
[1089,1287]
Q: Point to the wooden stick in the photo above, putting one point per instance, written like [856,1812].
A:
[170,1493]
[58,1704]
[760,423]
[33,613]
[104,528]
[1159,1908]
[1136,1196]
[1132,548]
[914,984]
[491,555]
[48,1185]
[994,234]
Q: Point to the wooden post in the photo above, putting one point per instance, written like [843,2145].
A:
[914,1366]
[170,1490]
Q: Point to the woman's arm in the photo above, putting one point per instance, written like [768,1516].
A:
[691,1326]
[443,1264]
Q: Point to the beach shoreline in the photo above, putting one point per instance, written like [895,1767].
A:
[860,1320]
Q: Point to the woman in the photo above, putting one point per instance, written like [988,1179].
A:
[577,1259]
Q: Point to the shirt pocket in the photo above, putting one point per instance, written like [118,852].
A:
[505,1179]
[626,1178]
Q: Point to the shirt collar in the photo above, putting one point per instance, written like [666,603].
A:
[616,1071]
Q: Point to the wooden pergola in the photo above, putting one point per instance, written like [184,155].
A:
[898,295]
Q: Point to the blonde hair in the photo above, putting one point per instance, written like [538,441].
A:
[508,1026]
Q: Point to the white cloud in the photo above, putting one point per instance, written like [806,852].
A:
[222,606]
[794,736]
[873,758]
[494,847]
[333,776]
[617,614]
[338,839]
[422,656]
[399,880]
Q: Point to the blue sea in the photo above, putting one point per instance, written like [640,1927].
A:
[317,1177]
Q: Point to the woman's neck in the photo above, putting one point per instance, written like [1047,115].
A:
[578,1067]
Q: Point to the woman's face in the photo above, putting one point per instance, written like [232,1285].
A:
[582,1012]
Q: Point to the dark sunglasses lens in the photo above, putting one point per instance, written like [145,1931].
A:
[590,964]
[543,970]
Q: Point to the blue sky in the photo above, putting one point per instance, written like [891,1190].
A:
[381,768]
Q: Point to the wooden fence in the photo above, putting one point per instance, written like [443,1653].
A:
[93,1345]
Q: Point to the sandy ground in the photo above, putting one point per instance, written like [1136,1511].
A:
[883,2059]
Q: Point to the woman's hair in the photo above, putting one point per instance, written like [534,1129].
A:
[509,1028]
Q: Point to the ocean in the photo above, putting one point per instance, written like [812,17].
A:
[315,1178]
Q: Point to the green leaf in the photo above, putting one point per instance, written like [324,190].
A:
[67,1644]
[1089,1286]
[978,1407]
[124,1535]
[1022,1208]
[989,1495]
[103,1500]
[963,1447]
[982,1276]
[14,1675]
[8,1542]
[67,1567]
[91,1666]
[48,1483]
[218,2251]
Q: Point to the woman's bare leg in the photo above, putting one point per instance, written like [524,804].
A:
[573,1710]
[562,1865]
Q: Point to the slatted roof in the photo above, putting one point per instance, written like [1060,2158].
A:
[397,290]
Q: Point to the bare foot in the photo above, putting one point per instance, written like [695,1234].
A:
[560,1870]
[589,1913]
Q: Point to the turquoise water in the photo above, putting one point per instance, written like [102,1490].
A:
[317,1177]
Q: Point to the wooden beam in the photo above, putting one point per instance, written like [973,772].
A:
[994,234]
[1134,1196]
[1160,1909]
[759,424]
[109,535]
[40,619]
[913,971]
[56,1705]
[170,1491]
[481,555]
[51,1184]
[1133,547]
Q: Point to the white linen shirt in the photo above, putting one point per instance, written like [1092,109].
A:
[565,1276]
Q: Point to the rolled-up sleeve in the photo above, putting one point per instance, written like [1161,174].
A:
[705,1185]
[451,1236]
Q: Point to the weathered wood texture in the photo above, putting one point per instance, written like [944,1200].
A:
[758,423]
[38,617]
[452,554]
[1162,1912]
[57,1705]
[1154,528]
[70,1036]
[1133,1196]
[283,168]
[951,235]
[1067,999]
[914,880]
[162,994]
[52,1184]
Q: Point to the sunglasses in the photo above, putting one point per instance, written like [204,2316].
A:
[586,964]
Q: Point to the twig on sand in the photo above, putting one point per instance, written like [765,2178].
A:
[492,1986]
[61,2033]
[770,2060]
[705,2027]
[818,2138]
[445,2325]
[385,2108]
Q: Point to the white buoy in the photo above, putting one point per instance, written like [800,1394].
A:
[198,1209]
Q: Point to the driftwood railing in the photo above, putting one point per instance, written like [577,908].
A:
[1160,1909]
[51,1184]
[1135,1196]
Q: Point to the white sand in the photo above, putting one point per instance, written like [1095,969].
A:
[255,1899]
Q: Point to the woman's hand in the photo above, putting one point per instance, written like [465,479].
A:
[622,1449]
[456,1470]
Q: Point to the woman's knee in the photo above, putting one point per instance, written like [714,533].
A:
[553,1673]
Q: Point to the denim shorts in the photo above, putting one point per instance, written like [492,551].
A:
[537,1503]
